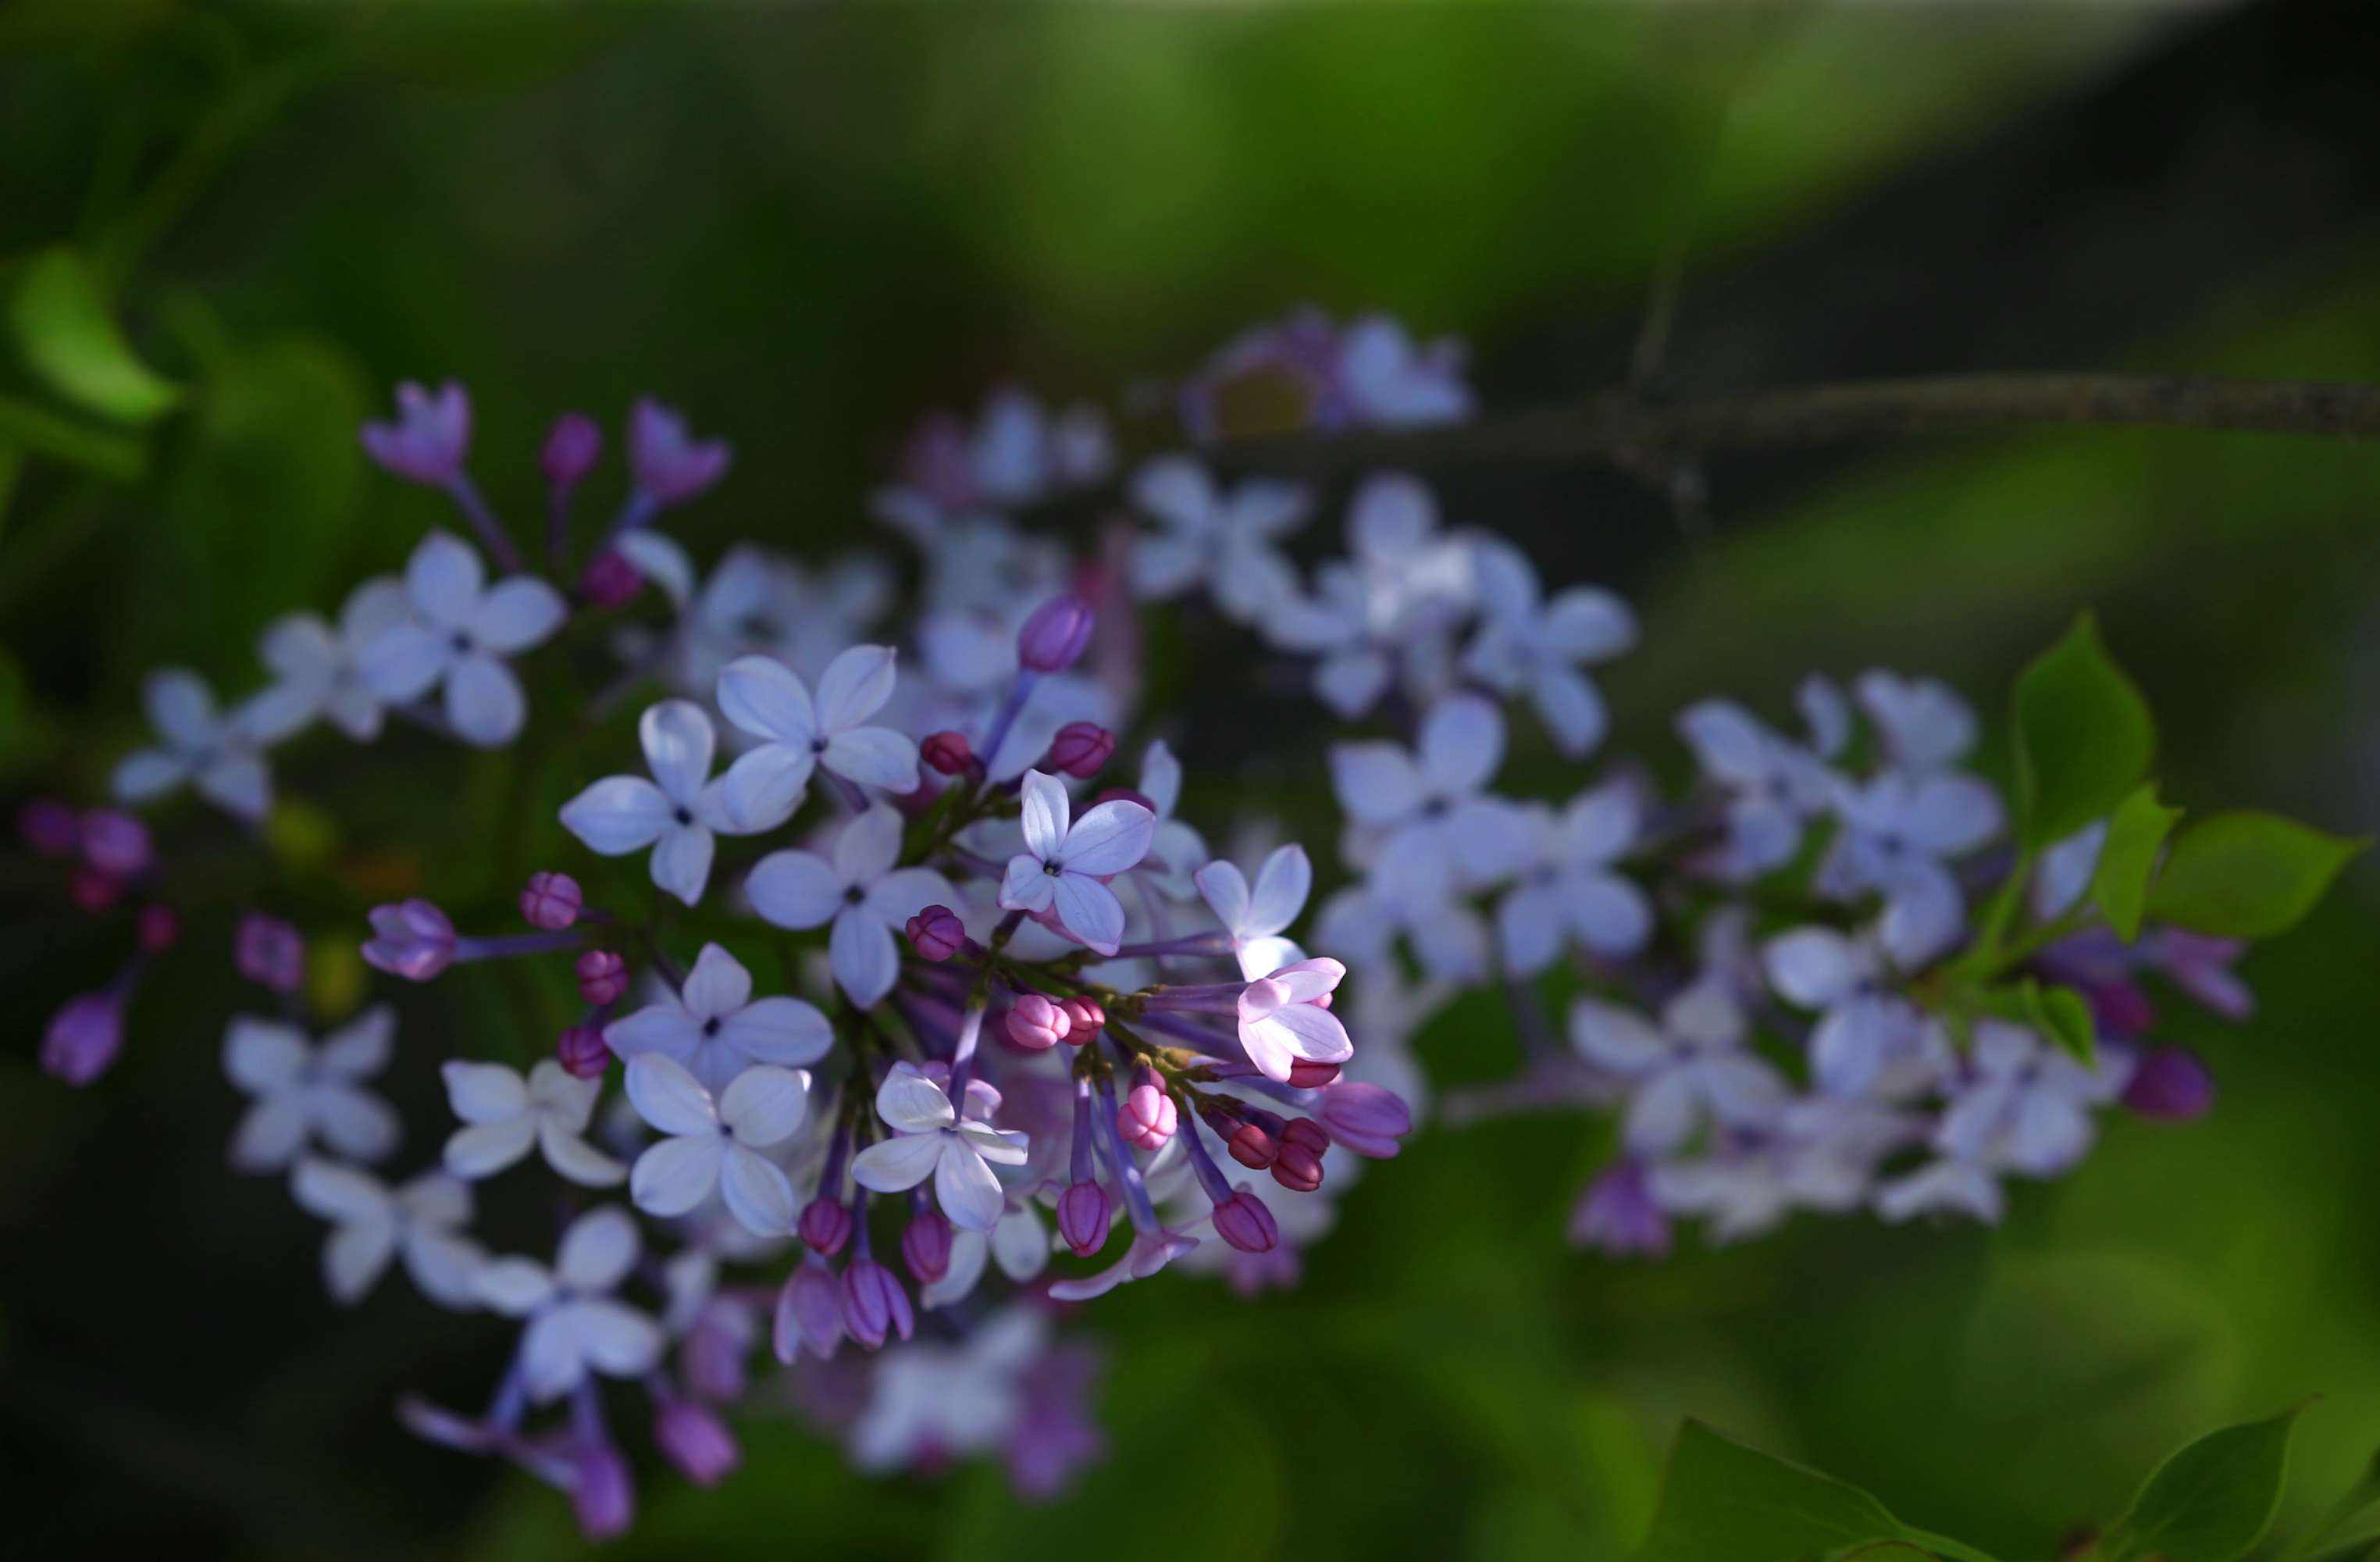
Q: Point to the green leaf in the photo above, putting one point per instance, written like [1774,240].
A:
[2083,737]
[60,319]
[1723,1502]
[2120,882]
[2247,875]
[2059,1013]
[2209,1503]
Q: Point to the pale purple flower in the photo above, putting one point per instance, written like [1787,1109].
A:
[715,1028]
[220,754]
[458,631]
[1282,1019]
[1899,831]
[1569,888]
[1689,1069]
[412,939]
[715,1143]
[1425,817]
[1228,542]
[1390,606]
[764,697]
[422,1222]
[321,666]
[306,1093]
[575,1326]
[669,464]
[502,1114]
[1617,1215]
[269,952]
[83,1037]
[1530,644]
[1818,1154]
[2024,1106]
[1175,849]
[1389,379]
[676,814]
[1868,1037]
[430,437]
[1771,786]
[1017,1242]
[1254,921]
[932,1140]
[856,887]
[1062,871]
[1922,722]
[1364,920]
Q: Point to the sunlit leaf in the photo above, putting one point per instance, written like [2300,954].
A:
[59,318]
[2082,737]
[2135,835]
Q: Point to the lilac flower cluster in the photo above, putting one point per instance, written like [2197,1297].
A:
[1026,1038]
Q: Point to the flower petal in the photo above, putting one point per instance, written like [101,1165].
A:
[873,756]
[444,578]
[484,702]
[678,743]
[516,615]
[1283,884]
[667,1096]
[855,687]
[763,788]
[911,1102]
[575,1160]
[483,1092]
[794,889]
[785,1032]
[598,1250]
[761,695]
[618,814]
[718,985]
[892,1165]
[1109,839]
[1044,813]
[966,1188]
[867,846]
[681,861]
[677,1174]
[861,953]
[756,1192]
[765,1104]
[479,1150]
[262,1055]
[1090,910]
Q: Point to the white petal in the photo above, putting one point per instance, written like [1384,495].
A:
[270,1134]
[966,1189]
[618,814]
[551,1362]
[861,953]
[669,1097]
[1026,886]
[1045,813]
[483,1092]
[762,696]
[1020,1244]
[484,702]
[150,773]
[180,708]
[598,1250]
[756,1193]
[239,786]
[1283,884]
[558,1096]
[446,1268]
[1109,839]
[677,1174]
[577,1161]
[1160,778]
[262,1055]
[338,1193]
[1607,913]
[1586,624]
[356,1256]
[1377,782]
[664,1028]
[1571,709]
[869,846]
[855,687]
[1090,910]
[1615,1038]
[403,662]
[1352,682]
[681,861]
[617,1339]
[794,889]
[1226,894]
[905,892]
[484,1149]
[356,1122]
[516,615]
[785,1032]
[873,756]
[911,1102]
[444,578]
[892,1166]
[763,787]
[1461,743]
[359,1048]
[1810,967]
[1529,929]
[764,1106]
[717,986]
[513,1286]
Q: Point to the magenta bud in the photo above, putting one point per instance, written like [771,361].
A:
[571,448]
[2172,1085]
[874,1305]
[603,1493]
[809,1312]
[157,928]
[1081,748]
[116,843]
[1308,1075]
[1082,1215]
[93,890]
[550,901]
[937,933]
[580,1050]
[609,579]
[49,827]
[695,1441]
[926,1246]
[411,939]
[269,952]
[602,976]
[1054,638]
[1307,1132]
[947,752]
[429,437]
[1148,1118]
[711,1356]
[1252,1147]
[1084,1019]
[1244,1222]
[825,1225]
[1366,1118]
[83,1037]
[670,465]
[1298,1168]
[1036,1024]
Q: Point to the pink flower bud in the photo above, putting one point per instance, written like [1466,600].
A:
[94,891]
[696,1442]
[602,976]
[49,827]
[937,933]
[1054,638]
[809,1312]
[550,901]
[1308,1075]
[1366,1118]
[671,465]
[1242,1221]
[1081,748]
[116,843]
[1083,1214]
[1084,1019]
[1036,1024]
[269,952]
[411,939]
[571,447]
[83,1037]
[947,752]
[603,1493]
[1148,1118]
[874,1305]
[926,1246]
[1298,1168]
[157,928]
[581,1051]
[610,580]
[2171,1086]
[825,1225]
[1252,1147]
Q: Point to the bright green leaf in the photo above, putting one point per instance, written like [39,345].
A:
[2247,875]
[2120,882]
[67,337]
[2082,737]
[1723,1502]
[2209,1503]
[2061,1014]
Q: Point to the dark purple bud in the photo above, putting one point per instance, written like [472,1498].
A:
[947,752]
[1297,1167]
[94,891]
[695,1441]
[610,580]
[1244,1222]
[550,901]
[580,1050]
[602,976]
[1305,1131]
[670,465]
[1036,1024]
[1618,1215]
[572,446]
[83,1037]
[1366,1118]
[1148,1118]
[1308,1075]
[603,1493]
[1085,1019]
[49,827]
[269,952]
[116,843]
[157,928]
[937,933]
[2172,1085]
[1251,1146]
[825,1225]
[874,1305]
[429,437]
[926,1246]
[411,939]
[1081,748]
[1083,1214]
[1054,638]
[809,1312]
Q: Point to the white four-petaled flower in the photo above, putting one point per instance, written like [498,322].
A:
[306,1093]
[1228,542]
[1255,922]
[502,1114]
[932,1140]
[221,755]
[717,1030]
[1690,1068]
[421,1221]
[576,1326]
[1063,868]
[1530,644]
[763,697]
[676,813]
[716,1143]
[321,666]
[457,635]
[1284,1021]
[859,889]
[1570,889]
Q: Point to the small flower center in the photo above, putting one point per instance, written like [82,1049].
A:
[710,1026]
[461,642]
[854,896]
[683,814]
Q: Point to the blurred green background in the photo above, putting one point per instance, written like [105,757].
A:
[808,225]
